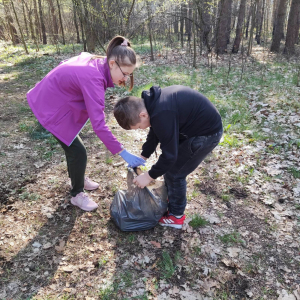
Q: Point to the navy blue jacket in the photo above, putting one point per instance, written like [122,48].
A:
[176,114]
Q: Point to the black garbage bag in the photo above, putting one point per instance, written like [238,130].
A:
[138,209]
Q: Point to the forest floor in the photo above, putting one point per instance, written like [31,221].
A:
[241,237]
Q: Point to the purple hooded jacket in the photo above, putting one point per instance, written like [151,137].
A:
[72,93]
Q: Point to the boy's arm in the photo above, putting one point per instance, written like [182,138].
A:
[166,128]
[150,145]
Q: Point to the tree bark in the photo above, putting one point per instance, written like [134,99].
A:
[279,26]
[150,32]
[239,27]
[222,35]
[42,23]
[61,23]
[292,32]
[25,19]
[229,21]
[76,24]
[253,18]
[10,22]
[54,20]
[20,29]
[260,20]
[37,21]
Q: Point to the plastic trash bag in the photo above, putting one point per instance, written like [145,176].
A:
[138,209]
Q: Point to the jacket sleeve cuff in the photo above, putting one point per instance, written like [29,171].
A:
[153,174]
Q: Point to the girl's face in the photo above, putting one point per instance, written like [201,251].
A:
[120,74]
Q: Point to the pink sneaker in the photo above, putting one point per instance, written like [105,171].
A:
[84,202]
[90,185]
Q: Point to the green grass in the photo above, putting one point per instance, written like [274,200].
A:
[295,172]
[167,265]
[197,221]
[230,238]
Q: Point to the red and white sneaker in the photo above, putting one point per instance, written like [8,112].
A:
[171,221]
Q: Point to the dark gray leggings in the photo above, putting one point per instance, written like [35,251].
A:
[76,161]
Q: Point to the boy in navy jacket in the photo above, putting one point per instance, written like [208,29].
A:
[187,126]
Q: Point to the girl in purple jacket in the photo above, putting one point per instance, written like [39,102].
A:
[74,92]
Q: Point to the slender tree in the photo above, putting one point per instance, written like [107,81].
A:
[20,29]
[10,22]
[61,23]
[76,24]
[25,19]
[37,21]
[222,34]
[239,27]
[279,26]
[292,29]
[54,20]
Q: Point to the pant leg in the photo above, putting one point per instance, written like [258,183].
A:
[76,161]
[190,154]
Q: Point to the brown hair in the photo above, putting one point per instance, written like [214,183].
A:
[121,53]
[127,111]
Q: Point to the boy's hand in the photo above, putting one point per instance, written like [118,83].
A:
[132,160]
[142,180]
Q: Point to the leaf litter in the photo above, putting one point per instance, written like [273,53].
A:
[248,194]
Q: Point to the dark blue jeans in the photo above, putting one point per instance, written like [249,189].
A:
[191,153]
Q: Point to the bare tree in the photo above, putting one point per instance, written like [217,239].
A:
[10,22]
[20,29]
[42,22]
[61,23]
[222,34]
[279,26]
[239,27]
[75,23]
[25,18]
[54,20]
[292,29]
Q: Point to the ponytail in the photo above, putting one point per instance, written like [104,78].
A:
[119,48]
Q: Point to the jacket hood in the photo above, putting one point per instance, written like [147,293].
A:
[150,97]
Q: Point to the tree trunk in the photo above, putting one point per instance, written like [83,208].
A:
[253,18]
[239,27]
[150,32]
[10,22]
[42,23]
[25,19]
[54,20]
[37,21]
[76,24]
[222,35]
[89,34]
[61,23]
[20,29]
[182,21]
[229,21]
[248,20]
[206,25]
[194,35]
[279,26]
[128,17]
[261,20]
[291,35]
[175,24]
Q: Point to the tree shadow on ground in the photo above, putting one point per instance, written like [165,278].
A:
[36,264]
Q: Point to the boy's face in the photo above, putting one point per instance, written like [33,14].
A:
[144,121]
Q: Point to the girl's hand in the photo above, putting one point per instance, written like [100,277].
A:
[132,160]
[142,180]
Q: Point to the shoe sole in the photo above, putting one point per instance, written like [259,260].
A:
[171,225]
[91,189]
[82,208]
